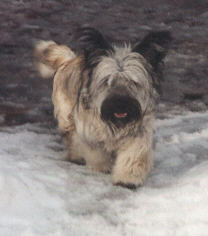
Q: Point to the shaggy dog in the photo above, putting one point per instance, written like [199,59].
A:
[104,101]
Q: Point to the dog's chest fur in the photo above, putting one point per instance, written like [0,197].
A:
[97,134]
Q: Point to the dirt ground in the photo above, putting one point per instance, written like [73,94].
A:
[25,97]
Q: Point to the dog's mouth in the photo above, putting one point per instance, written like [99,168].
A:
[120,110]
[120,115]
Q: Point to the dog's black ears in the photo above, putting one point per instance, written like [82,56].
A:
[154,47]
[93,43]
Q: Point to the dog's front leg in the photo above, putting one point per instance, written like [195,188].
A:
[95,158]
[132,164]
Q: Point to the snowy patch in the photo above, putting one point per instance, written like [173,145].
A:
[43,195]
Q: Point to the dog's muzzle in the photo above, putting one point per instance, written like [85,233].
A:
[120,110]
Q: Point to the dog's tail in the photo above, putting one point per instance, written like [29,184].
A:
[49,56]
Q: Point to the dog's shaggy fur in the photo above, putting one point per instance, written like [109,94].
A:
[104,101]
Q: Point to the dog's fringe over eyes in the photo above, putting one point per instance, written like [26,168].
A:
[104,99]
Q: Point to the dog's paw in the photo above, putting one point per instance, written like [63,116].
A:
[75,160]
[106,169]
[78,161]
[127,185]
[127,180]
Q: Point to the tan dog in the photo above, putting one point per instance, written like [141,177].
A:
[104,101]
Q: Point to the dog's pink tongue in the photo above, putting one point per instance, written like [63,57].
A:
[120,115]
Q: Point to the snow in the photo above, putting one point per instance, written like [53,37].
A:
[43,195]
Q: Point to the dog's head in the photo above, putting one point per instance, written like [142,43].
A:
[122,81]
[118,83]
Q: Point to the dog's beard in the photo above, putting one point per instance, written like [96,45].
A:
[120,110]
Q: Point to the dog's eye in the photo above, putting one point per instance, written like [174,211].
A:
[135,84]
[103,82]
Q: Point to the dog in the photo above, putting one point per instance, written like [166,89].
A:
[104,100]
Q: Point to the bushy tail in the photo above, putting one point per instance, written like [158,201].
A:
[49,56]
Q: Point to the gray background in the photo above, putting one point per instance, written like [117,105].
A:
[25,97]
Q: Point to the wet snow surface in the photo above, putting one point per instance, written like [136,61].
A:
[41,194]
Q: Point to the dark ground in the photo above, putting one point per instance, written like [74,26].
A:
[25,97]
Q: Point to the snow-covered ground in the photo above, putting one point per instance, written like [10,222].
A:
[41,194]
